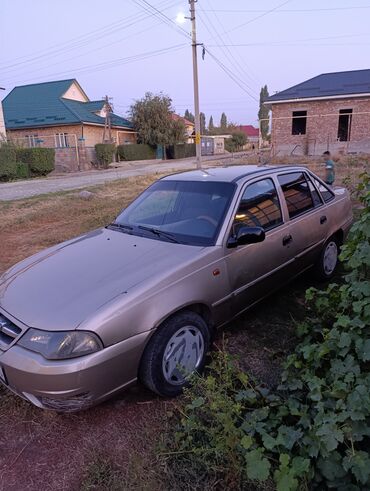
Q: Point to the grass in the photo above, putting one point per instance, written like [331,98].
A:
[30,225]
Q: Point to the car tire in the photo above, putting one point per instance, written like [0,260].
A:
[326,265]
[176,350]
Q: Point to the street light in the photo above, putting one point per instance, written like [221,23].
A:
[181,19]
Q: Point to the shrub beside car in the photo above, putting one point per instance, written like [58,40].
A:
[312,432]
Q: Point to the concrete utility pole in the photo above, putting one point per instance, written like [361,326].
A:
[198,148]
[107,122]
[2,123]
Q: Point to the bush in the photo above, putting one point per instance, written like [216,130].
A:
[22,170]
[181,151]
[313,432]
[236,142]
[41,161]
[7,162]
[105,153]
[136,151]
[8,171]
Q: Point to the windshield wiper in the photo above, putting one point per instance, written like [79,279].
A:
[160,233]
[121,226]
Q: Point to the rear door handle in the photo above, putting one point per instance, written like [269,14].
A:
[287,239]
[323,219]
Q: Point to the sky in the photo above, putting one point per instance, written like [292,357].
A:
[124,48]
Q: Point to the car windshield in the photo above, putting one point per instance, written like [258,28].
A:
[188,212]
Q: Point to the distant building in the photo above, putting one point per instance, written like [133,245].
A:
[212,145]
[250,132]
[189,127]
[327,112]
[60,115]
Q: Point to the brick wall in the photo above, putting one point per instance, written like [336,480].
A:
[70,158]
[322,127]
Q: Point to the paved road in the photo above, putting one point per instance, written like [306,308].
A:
[33,187]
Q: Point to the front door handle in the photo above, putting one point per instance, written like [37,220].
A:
[287,239]
[323,219]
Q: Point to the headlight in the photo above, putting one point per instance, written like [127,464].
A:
[61,345]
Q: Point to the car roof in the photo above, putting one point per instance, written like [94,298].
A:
[228,174]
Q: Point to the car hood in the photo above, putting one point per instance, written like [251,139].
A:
[58,288]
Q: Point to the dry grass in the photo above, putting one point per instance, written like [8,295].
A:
[32,224]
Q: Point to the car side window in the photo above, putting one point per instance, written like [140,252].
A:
[259,206]
[326,194]
[314,193]
[296,192]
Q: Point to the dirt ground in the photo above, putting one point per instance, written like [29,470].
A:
[114,445]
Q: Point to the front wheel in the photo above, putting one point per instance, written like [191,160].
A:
[328,260]
[176,351]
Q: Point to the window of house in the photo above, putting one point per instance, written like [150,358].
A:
[32,140]
[259,207]
[299,122]
[61,140]
[296,192]
[344,125]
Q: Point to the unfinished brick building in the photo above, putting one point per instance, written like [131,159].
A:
[327,112]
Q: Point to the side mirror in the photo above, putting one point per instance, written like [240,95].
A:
[246,235]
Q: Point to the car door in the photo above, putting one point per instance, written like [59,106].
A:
[307,215]
[256,269]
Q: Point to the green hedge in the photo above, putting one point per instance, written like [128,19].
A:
[41,161]
[7,162]
[104,153]
[136,151]
[181,151]
[22,170]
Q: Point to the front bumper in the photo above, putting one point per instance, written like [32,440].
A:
[72,385]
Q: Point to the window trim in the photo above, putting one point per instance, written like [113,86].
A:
[308,179]
[317,178]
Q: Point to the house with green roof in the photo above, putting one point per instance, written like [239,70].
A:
[60,115]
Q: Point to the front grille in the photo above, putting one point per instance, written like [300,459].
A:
[8,331]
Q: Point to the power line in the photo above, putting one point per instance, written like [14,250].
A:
[230,74]
[116,62]
[254,11]
[295,41]
[243,63]
[267,12]
[84,39]
[85,53]
[226,50]
[148,7]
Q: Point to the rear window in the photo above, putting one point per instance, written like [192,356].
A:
[326,194]
[297,193]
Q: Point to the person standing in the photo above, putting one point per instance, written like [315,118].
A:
[329,168]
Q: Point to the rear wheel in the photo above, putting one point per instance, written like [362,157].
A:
[327,263]
[175,352]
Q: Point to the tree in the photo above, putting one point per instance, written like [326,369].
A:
[240,139]
[202,119]
[178,132]
[151,118]
[211,126]
[189,116]
[263,113]
[236,142]
[223,121]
